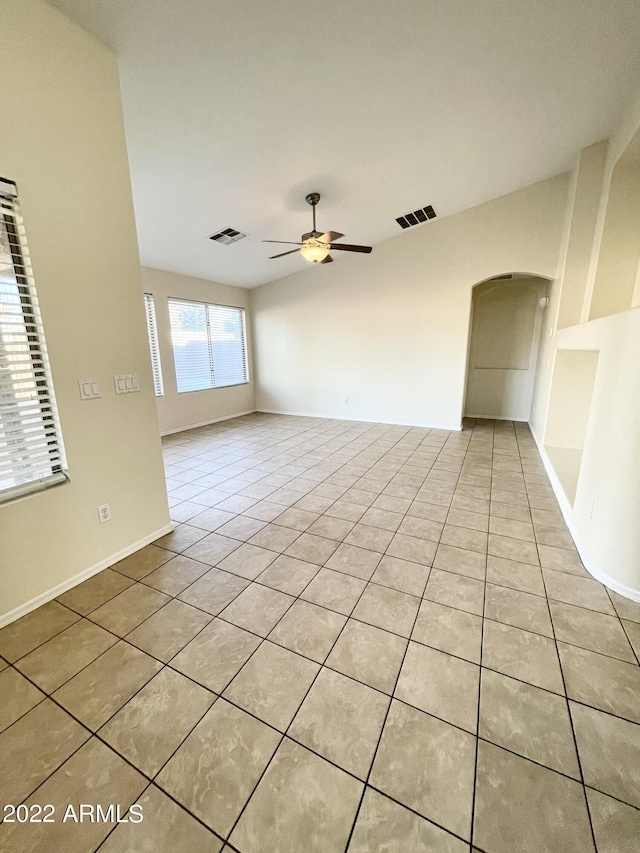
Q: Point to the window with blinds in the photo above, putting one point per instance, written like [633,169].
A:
[31,451]
[152,332]
[208,345]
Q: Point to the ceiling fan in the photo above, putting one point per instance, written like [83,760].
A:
[315,246]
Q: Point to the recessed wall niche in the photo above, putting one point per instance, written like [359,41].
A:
[617,281]
[574,376]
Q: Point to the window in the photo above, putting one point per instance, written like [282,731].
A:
[31,451]
[208,345]
[152,332]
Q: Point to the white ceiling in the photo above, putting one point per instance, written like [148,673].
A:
[234,111]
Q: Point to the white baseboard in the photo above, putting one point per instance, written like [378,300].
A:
[457,428]
[498,418]
[84,575]
[567,512]
[206,423]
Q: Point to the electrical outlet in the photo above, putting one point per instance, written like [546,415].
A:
[104,513]
[345,400]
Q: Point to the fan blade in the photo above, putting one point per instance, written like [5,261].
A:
[282,254]
[285,242]
[330,236]
[327,260]
[345,247]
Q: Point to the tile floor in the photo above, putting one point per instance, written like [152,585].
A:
[358,637]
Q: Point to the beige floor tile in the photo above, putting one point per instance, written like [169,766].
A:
[517,608]
[383,825]
[241,527]
[181,538]
[361,497]
[505,821]
[94,775]
[430,511]
[440,684]
[625,607]
[30,631]
[616,826]
[609,750]
[463,537]
[289,575]
[248,561]
[102,688]
[351,560]
[582,592]
[142,562]
[165,826]
[589,678]
[18,697]
[127,610]
[213,591]
[401,575]
[590,630]
[513,528]
[368,654]
[334,590]
[346,511]
[513,549]
[275,537]
[421,528]
[509,510]
[428,765]
[555,537]
[455,591]
[562,559]
[212,549]
[331,528]
[60,658]
[391,504]
[216,655]
[265,510]
[169,630]
[211,519]
[527,720]
[296,784]
[449,630]
[272,684]
[151,726]
[297,519]
[372,538]
[467,518]
[341,720]
[632,630]
[257,609]
[387,609]
[308,630]
[33,747]
[312,549]
[523,655]
[472,564]
[412,548]
[515,575]
[96,591]
[174,577]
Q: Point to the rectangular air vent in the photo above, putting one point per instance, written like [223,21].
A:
[507,277]
[227,236]
[416,217]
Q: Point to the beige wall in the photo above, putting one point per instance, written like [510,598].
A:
[388,332]
[604,515]
[180,411]
[63,143]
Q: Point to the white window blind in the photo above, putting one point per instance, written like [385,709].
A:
[208,345]
[31,451]
[152,331]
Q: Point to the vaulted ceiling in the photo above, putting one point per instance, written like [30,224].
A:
[234,111]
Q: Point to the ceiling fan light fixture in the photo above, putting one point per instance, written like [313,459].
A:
[314,251]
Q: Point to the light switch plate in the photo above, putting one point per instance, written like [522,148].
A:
[126,383]
[89,389]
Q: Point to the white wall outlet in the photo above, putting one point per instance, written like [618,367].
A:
[104,513]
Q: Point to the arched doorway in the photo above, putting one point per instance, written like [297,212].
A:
[506,320]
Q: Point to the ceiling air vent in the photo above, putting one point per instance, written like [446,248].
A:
[417,217]
[507,277]
[227,236]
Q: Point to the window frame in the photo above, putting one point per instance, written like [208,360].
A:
[243,342]
[154,346]
[38,448]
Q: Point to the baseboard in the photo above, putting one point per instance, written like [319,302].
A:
[84,575]
[206,423]
[567,513]
[498,418]
[457,428]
